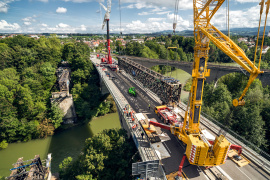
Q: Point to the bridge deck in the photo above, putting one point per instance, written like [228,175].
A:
[175,148]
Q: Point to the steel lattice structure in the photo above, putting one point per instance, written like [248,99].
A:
[167,89]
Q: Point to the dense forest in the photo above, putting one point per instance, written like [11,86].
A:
[27,78]
[250,121]
[107,155]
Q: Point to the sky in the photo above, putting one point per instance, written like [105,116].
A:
[137,16]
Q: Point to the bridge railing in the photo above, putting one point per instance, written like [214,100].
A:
[121,103]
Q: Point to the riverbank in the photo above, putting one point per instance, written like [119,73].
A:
[61,145]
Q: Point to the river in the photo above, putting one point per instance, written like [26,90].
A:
[61,145]
[69,142]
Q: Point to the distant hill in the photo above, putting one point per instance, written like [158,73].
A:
[233,31]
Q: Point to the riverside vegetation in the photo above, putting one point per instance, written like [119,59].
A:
[27,78]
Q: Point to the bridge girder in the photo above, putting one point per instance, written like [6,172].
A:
[168,90]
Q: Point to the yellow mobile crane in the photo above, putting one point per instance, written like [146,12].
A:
[199,150]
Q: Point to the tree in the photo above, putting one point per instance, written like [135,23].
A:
[148,53]
[3,144]
[109,152]
[56,115]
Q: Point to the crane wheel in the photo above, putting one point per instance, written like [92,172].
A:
[235,102]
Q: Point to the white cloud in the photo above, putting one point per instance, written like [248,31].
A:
[155,25]
[139,4]
[78,1]
[26,19]
[247,1]
[144,13]
[27,23]
[44,1]
[44,25]
[4,5]
[8,27]
[83,27]
[62,25]
[238,18]
[61,10]
[155,19]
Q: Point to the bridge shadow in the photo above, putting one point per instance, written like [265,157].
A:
[68,143]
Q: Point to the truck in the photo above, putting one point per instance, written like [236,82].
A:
[166,114]
[132,91]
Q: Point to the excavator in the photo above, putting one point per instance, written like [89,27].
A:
[200,151]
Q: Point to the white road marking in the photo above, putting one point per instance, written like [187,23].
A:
[243,172]
[167,148]
[224,173]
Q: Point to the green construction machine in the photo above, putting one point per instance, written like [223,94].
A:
[132,91]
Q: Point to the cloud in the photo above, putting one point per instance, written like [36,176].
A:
[83,27]
[62,25]
[79,1]
[155,19]
[4,5]
[156,24]
[44,25]
[45,1]
[27,23]
[238,18]
[247,1]
[140,4]
[61,10]
[144,13]
[9,27]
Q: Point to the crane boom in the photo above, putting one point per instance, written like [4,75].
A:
[199,151]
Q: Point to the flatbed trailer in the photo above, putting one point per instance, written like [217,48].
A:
[150,131]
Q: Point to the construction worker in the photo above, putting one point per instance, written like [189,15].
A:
[149,106]
[142,134]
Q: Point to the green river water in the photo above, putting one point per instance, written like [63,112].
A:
[61,145]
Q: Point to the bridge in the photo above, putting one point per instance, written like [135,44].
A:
[217,71]
[161,166]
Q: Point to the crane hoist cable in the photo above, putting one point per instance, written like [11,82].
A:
[175,15]
[120,17]
[258,34]
[266,13]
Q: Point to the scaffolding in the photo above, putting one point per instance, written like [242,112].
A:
[35,170]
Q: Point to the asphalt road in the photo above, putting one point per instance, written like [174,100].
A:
[175,148]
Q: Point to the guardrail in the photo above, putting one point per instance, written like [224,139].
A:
[121,103]
[261,159]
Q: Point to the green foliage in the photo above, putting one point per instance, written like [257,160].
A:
[250,121]
[3,144]
[27,75]
[56,116]
[188,84]
[109,152]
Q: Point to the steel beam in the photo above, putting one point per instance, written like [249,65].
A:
[167,89]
